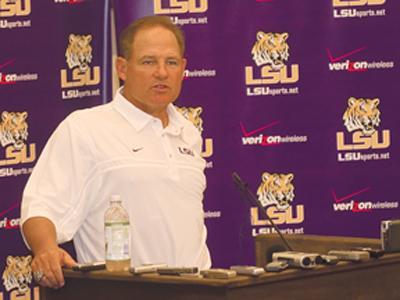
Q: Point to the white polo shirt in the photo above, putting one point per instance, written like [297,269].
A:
[118,149]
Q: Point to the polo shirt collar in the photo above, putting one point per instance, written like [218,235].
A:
[139,119]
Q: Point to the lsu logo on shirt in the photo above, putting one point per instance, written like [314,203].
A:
[13,136]
[276,194]
[362,117]
[78,57]
[15,8]
[348,3]
[270,52]
[180,6]
[193,115]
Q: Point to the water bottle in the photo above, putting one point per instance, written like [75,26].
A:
[117,236]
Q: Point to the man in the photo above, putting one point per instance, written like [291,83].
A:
[137,146]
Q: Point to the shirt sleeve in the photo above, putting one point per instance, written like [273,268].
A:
[57,186]
[192,136]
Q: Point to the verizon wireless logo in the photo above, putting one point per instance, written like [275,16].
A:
[69,1]
[350,202]
[345,62]
[6,222]
[11,77]
[255,137]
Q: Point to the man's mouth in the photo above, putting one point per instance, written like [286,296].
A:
[160,87]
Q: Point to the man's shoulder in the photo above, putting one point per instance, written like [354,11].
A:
[188,121]
[92,114]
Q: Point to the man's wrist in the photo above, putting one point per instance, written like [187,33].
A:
[48,247]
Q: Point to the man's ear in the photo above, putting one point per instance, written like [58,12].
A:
[184,63]
[121,65]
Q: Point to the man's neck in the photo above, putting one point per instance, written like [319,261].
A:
[161,114]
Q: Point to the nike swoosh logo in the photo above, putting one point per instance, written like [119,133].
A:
[7,63]
[346,197]
[136,149]
[246,133]
[339,58]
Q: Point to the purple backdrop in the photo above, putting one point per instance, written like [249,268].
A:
[286,118]
[37,90]
[282,116]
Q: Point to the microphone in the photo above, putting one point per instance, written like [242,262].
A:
[244,189]
[275,253]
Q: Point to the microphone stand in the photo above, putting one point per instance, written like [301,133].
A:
[246,192]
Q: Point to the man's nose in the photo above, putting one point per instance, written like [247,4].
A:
[161,70]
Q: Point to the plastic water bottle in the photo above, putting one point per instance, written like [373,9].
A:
[117,236]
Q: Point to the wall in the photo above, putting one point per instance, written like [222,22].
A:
[291,126]
[283,90]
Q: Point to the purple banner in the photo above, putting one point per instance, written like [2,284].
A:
[51,63]
[300,100]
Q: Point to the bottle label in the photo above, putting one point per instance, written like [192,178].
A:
[117,241]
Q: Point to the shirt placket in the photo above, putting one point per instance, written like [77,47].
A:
[173,170]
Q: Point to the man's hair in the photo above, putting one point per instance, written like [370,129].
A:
[128,34]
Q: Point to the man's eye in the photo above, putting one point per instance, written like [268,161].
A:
[172,62]
[148,62]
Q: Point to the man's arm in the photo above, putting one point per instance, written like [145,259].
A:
[49,258]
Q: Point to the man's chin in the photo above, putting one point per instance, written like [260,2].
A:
[163,98]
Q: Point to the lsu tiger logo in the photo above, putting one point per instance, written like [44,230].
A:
[13,129]
[276,189]
[271,48]
[18,273]
[193,115]
[362,114]
[79,52]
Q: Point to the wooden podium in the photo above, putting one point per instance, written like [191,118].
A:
[374,279]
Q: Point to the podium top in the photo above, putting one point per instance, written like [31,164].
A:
[341,281]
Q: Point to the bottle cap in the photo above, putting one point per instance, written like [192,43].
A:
[115,198]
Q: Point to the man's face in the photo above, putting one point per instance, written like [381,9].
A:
[154,72]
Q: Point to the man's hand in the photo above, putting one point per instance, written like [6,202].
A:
[48,257]
[50,263]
